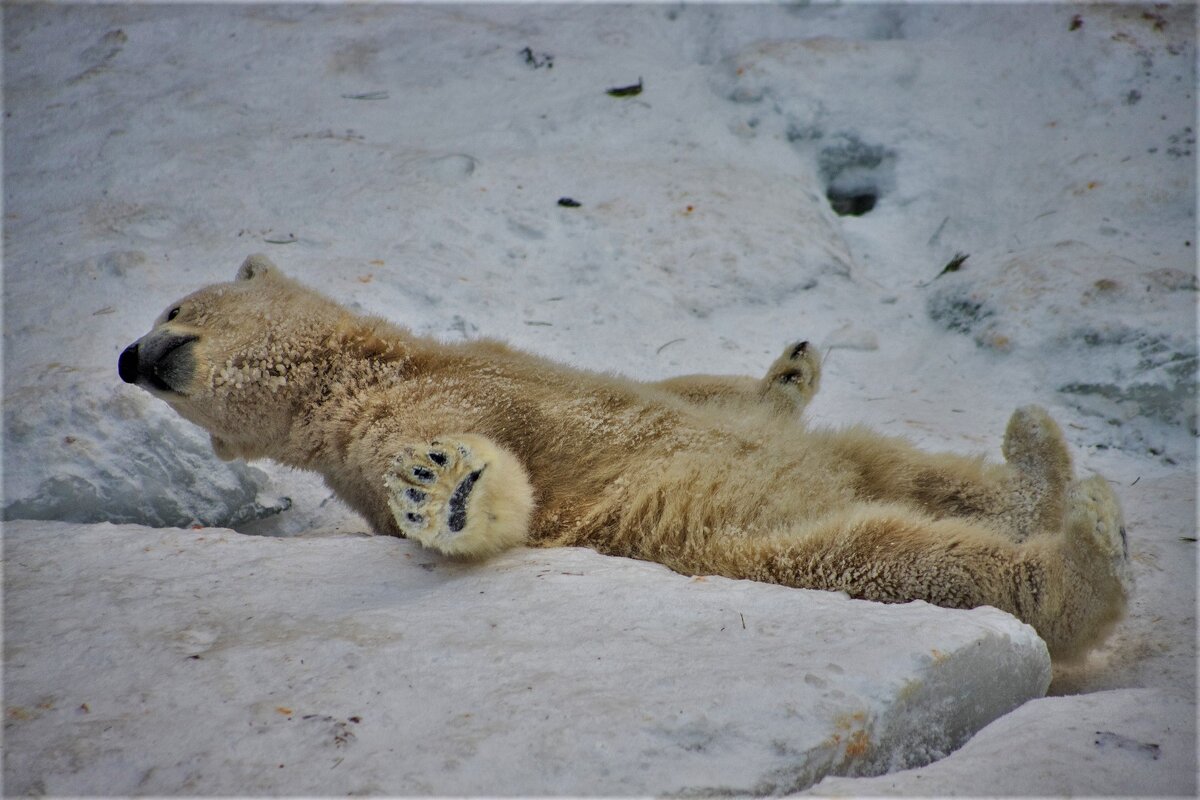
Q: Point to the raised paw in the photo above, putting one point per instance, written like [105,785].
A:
[1034,444]
[794,377]
[461,496]
[430,489]
[1036,450]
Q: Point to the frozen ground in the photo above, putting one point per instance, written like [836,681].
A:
[408,160]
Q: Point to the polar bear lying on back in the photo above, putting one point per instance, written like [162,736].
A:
[474,448]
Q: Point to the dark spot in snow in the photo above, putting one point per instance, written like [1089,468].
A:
[856,174]
[853,204]
[626,91]
[537,60]
[1107,739]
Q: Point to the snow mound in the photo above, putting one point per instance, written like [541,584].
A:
[78,455]
[217,663]
[1056,306]
[1137,742]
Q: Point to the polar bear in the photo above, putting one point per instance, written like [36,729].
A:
[474,448]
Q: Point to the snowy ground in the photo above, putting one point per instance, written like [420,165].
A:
[404,674]
[409,161]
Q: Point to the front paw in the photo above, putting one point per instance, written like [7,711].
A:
[794,377]
[461,496]
[430,488]
[799,366]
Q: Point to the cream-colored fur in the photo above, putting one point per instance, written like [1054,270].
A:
[473,448]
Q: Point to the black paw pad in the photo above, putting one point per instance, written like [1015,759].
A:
[415,495]
[458,501]
[437,458]
[799,349]
[423,475]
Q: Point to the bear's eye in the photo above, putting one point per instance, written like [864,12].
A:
[173,313]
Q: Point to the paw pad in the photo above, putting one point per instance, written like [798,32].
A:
[430,490]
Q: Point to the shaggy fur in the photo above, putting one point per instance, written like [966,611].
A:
[474,448]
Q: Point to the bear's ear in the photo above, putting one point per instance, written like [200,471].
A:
[255,266]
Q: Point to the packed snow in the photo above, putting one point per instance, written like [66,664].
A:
[466,679]
[969,208]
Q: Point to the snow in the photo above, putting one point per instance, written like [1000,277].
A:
[408,161]
[1154,755]
[466,679]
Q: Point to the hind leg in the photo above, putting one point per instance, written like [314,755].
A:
[1026,495]
[1083,607]
[1018,499]
[1070,587]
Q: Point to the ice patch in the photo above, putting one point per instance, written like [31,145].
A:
[76,455]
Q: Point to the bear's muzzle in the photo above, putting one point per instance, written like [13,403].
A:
[159,361]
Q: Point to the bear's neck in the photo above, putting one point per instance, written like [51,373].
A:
[358,370]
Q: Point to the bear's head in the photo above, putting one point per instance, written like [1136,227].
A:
[240,358]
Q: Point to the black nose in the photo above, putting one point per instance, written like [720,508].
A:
[127,364]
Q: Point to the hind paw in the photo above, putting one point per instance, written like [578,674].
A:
[1034,444]
[1094,525]
[1035,449]
[462,496]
